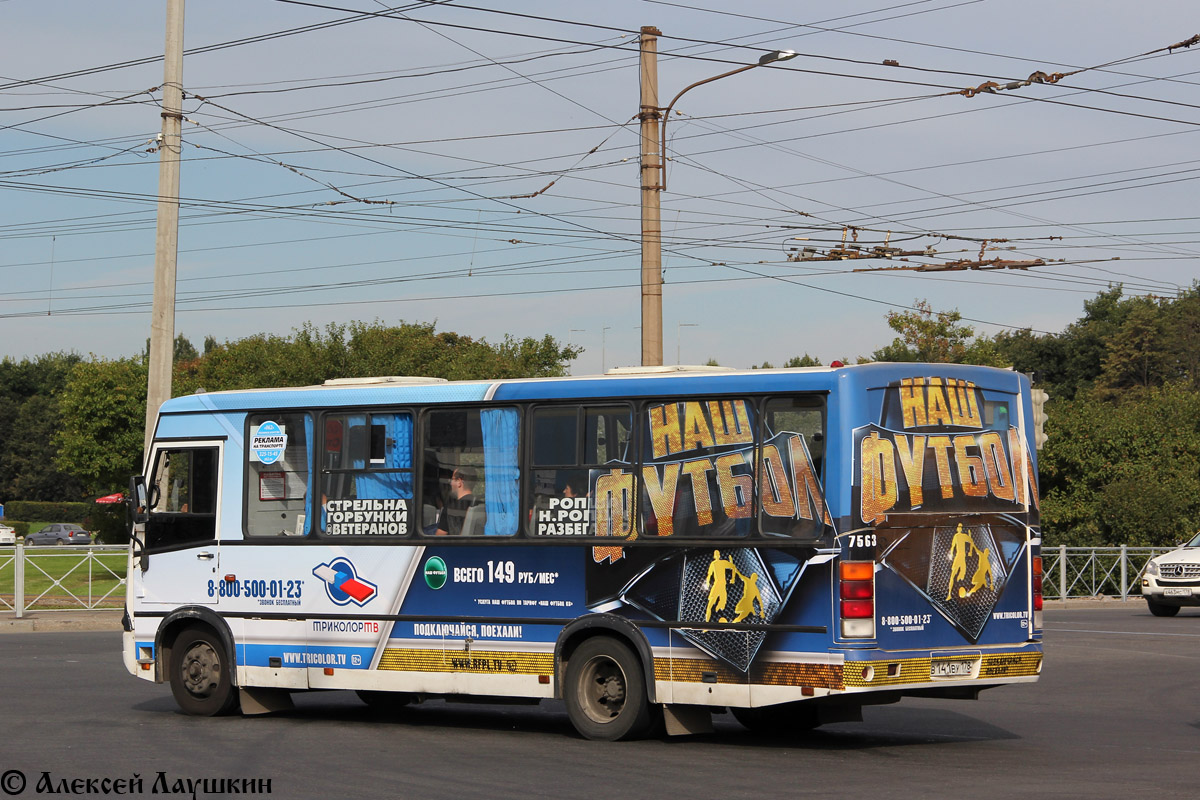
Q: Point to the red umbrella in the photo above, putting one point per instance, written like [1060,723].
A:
[111,498]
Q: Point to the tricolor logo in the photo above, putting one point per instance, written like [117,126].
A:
[342,583]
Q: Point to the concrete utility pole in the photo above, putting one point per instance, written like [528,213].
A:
[166,243]
[651,168]
[654,181]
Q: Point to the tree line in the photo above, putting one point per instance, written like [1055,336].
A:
[72,428]
[1122,464]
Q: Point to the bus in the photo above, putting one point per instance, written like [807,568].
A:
[650,546]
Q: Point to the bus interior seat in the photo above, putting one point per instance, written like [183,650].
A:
[474,520]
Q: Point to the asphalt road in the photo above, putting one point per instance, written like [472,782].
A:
[1116,713]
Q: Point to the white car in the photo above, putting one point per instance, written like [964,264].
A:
[7,535]
[1172,580]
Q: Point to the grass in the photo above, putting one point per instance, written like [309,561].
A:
[56,577]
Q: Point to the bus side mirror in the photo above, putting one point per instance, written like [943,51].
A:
[138,503]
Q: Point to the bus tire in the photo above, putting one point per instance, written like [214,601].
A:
[787,719]
[1161,609]
[605,691]
[200,674]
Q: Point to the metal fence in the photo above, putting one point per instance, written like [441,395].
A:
[61,578]
[1095,571]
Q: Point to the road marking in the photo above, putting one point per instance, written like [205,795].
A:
[1125,633]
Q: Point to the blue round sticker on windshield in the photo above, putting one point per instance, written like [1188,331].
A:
[267,442]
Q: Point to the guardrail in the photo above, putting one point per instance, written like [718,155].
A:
[61,578]
[1072,572]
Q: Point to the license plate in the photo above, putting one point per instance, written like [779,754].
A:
[1177,591]
[950,669]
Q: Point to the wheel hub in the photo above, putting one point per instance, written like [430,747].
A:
[201,670]
[603,692]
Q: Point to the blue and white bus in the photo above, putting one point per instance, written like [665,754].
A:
[649,545]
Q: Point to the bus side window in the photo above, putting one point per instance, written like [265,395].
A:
[367,457]
[697,467]
[278,484]
[790,485]
[183,497]
[471,480]
[568,444]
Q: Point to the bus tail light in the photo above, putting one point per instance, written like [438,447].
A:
[1037,591]
[1037,583]
[856,591]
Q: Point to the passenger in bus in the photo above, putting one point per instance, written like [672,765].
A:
[454,512]
[575,485]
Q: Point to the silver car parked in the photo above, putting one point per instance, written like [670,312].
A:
[59,533]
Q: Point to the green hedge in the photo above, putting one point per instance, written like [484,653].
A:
[48,512]
[108,520]
[109,523]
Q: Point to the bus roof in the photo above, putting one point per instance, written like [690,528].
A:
[627,382]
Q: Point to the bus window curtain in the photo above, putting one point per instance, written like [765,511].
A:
[501,475]
[308,487]
[398,429]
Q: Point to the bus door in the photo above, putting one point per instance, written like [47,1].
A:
[180,557]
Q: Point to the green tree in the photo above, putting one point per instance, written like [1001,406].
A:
[935,337]
[1183,337]
[312,355]
[1041,356]
[1073,360]
[1122,471]
[103,403]
[29,414]
[1135,355]
[184,350]
[103,416]
[32,456]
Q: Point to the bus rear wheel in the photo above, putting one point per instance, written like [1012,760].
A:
[200,674]
[605,691]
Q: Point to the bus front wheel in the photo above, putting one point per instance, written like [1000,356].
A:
[605,691]
[200,675]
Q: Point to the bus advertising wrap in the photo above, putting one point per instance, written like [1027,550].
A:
[947,484]
[697,480]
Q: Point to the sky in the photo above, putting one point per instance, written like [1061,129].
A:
[475,165]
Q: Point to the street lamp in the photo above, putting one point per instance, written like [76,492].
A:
[569,332]
[604,349]
[678,326]
[769,58]
[653,181]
